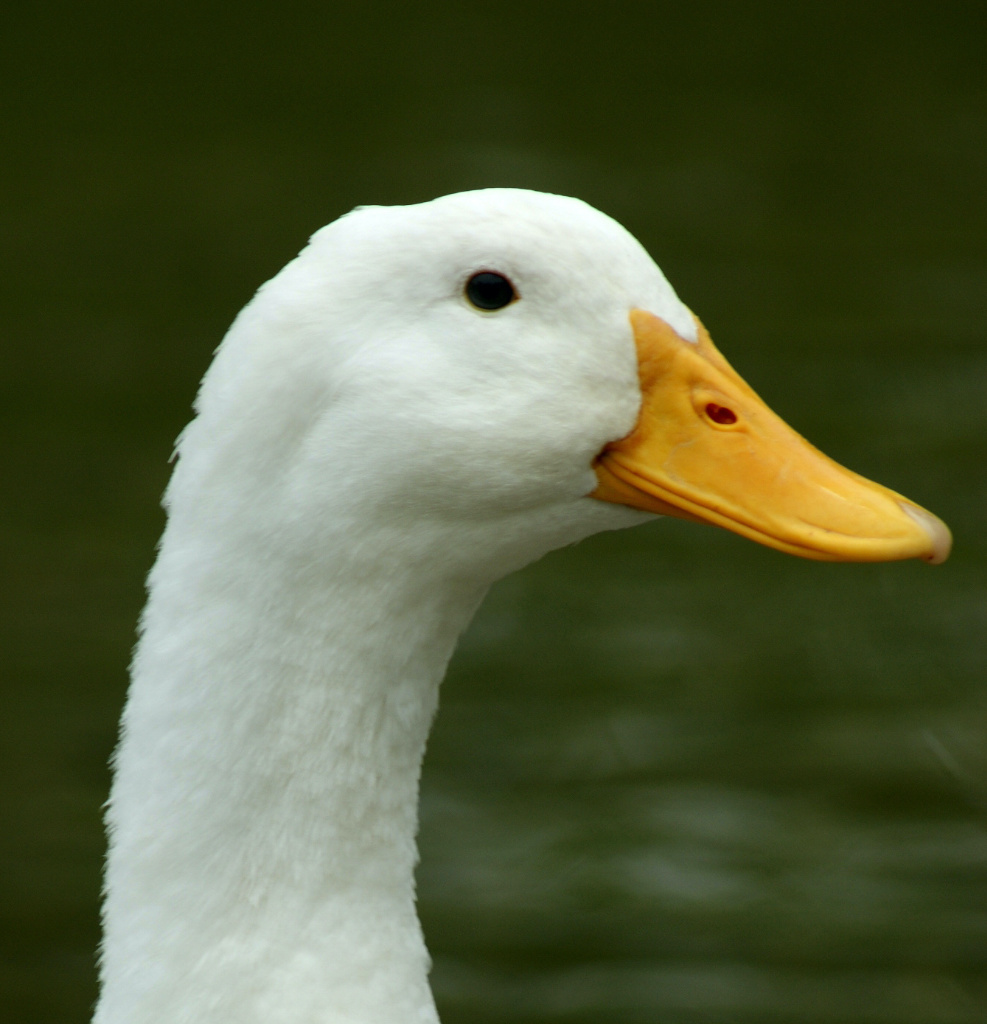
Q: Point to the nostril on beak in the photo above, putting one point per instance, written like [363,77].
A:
[721,414]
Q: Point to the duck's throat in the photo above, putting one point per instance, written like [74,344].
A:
[264,808]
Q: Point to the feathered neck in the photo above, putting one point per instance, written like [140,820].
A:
[264,811]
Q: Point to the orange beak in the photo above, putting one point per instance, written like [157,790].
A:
[707,448]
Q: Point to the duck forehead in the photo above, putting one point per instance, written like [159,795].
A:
[580,257]
[560,251]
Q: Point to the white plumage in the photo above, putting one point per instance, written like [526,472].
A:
[369,453]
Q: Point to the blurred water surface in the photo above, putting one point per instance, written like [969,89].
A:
[675,777]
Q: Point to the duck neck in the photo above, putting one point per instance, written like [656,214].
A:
[264,808]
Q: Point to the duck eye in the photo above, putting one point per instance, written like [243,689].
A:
[490,291]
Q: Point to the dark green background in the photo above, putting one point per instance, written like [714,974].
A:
[676,777]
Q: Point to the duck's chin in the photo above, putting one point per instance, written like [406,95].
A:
[528,537]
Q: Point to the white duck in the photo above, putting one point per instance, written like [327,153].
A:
[427,398]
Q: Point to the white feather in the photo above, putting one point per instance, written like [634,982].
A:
[369,454]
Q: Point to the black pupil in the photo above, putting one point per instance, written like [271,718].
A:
[489,291]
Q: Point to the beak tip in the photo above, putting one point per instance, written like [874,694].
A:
[939,537]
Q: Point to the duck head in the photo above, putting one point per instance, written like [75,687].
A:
[507,356]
